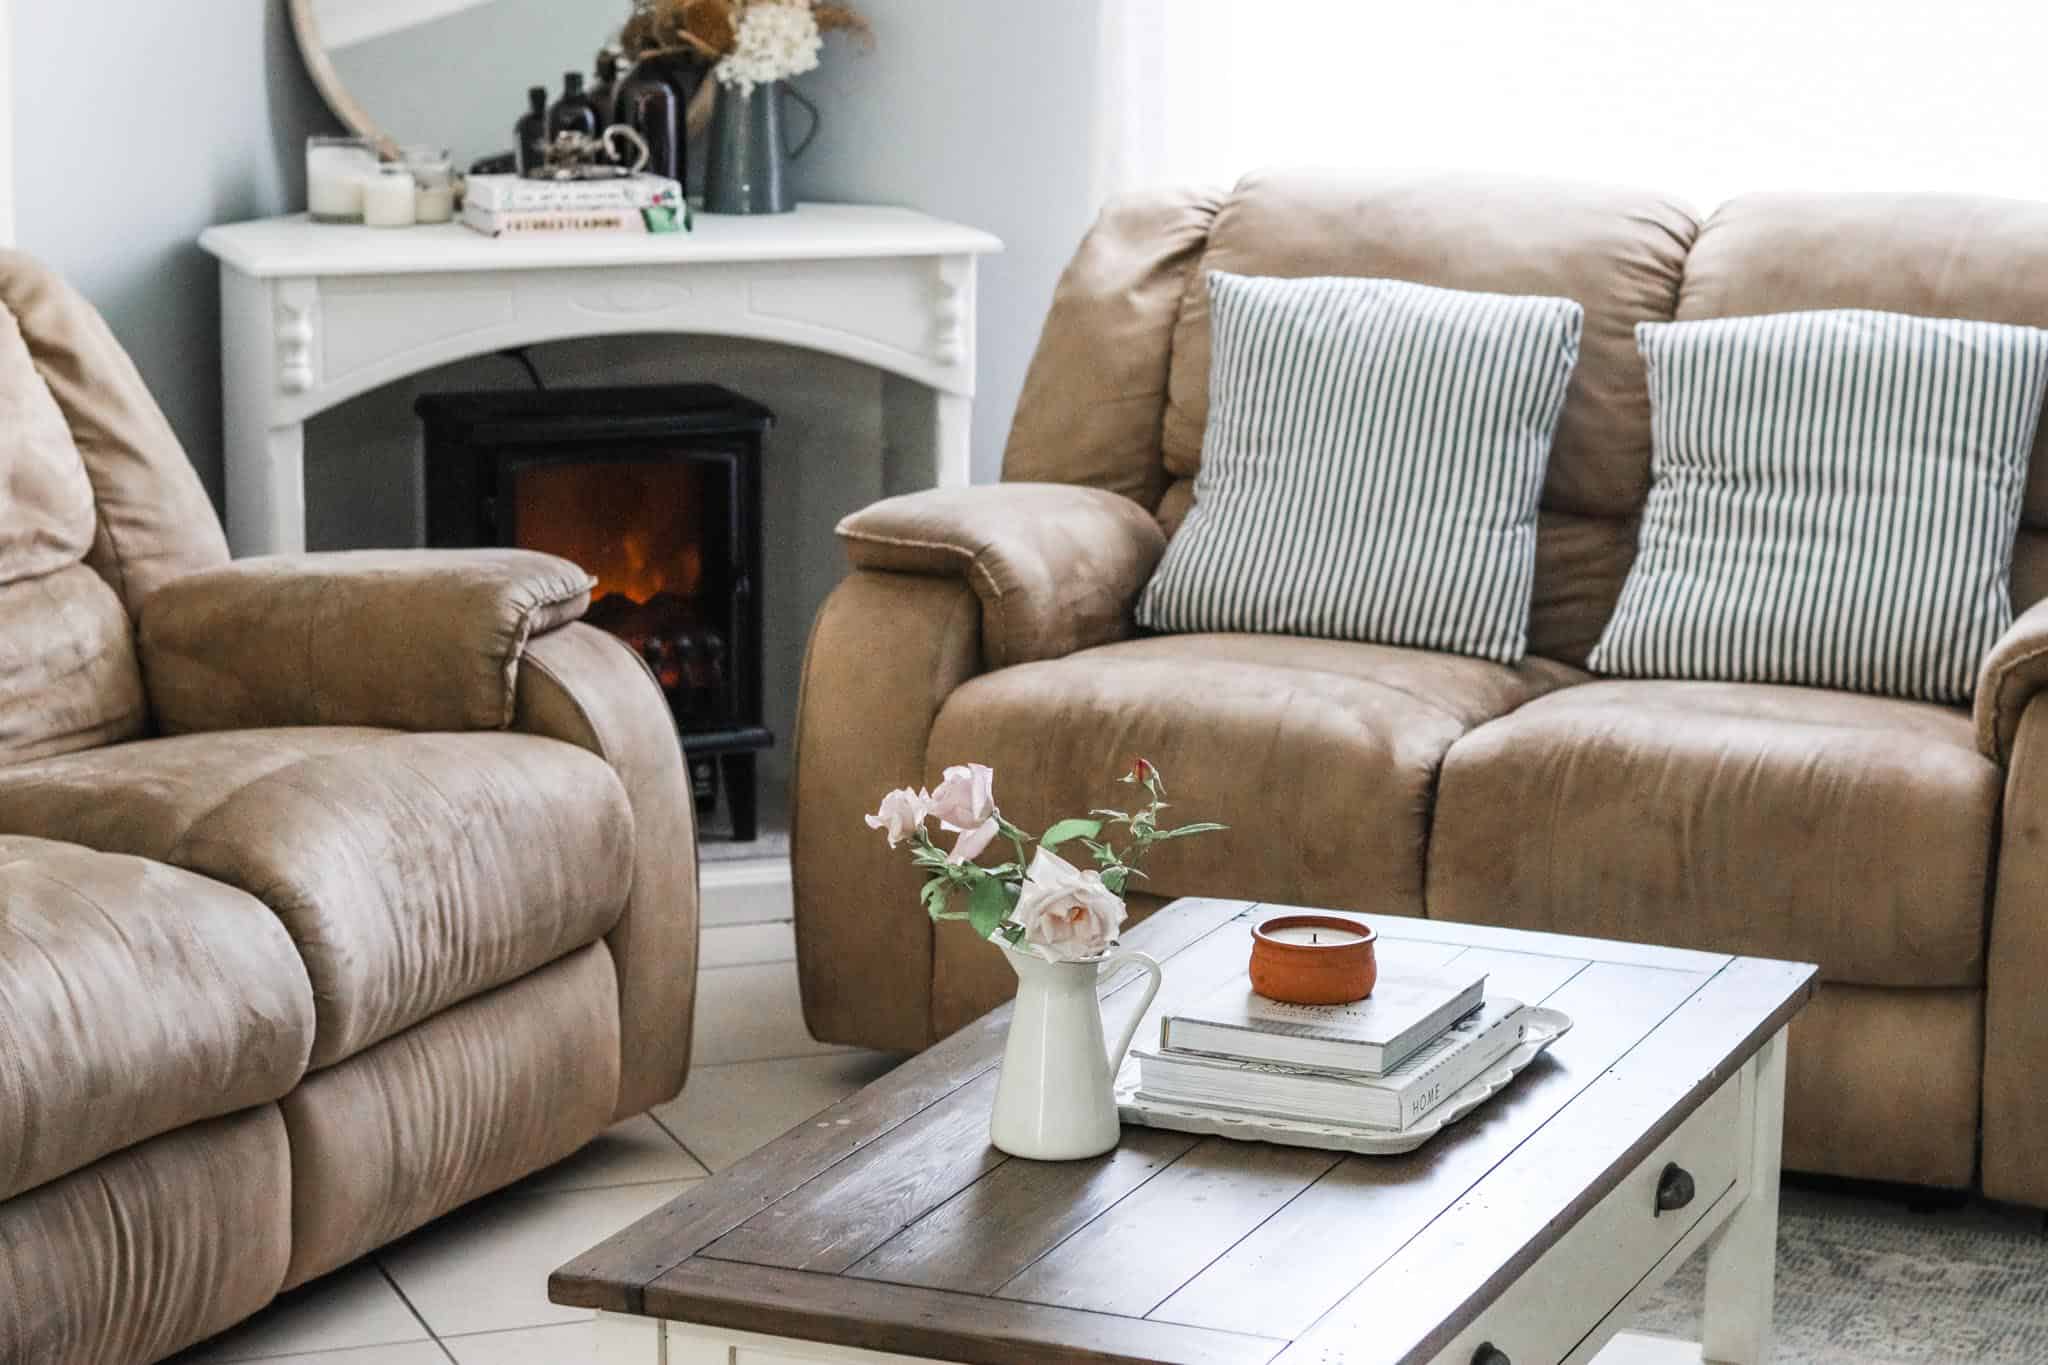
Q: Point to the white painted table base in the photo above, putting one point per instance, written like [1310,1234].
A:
[314,315]
[1741,1233]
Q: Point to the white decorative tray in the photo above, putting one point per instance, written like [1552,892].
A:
[1545,1027]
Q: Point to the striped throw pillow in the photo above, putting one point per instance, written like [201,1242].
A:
[1833,501]
[1371,464]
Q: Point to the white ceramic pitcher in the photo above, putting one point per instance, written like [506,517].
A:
[1055,1100]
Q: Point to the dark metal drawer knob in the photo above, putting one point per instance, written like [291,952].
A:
[1674,1188]
[1490,1354]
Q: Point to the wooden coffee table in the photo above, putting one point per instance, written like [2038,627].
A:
[886,1228]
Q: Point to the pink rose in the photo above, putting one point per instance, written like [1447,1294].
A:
[902,812]
[965,802]
[1068,915]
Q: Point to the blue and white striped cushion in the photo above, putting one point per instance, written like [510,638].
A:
[1371,464]
[1833,501]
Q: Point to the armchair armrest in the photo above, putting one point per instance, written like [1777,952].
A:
[584,687]
[410,639]
[1056,567]
[2014,670]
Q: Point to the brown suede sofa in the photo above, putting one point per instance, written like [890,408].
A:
[335,890]
[1903,847]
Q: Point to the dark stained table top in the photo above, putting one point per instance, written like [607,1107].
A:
[888,1222]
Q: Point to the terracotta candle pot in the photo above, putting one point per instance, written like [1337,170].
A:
[1313,960]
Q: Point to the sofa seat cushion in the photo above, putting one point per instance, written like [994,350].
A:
[1319,754]
[1855,832]
[135,998]
[150,1249]
[412,870]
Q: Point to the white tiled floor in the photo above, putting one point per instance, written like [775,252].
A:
[472,1288]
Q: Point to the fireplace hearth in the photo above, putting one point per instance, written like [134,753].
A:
[656,492]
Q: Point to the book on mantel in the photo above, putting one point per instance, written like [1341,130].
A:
[1442,1067]
[1367,1037]
[518,194]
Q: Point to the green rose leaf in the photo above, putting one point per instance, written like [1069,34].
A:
[988,907]
[1201,827]
[1069,829]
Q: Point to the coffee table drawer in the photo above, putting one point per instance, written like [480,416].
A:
[1578,1282]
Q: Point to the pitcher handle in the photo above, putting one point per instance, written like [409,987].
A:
[817,121]
[1130,957]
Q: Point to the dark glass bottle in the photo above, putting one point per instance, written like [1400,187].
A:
[654,101]
[573,113]
[604,95]
[530,134]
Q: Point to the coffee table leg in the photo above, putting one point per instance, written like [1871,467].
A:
[1742,1261]
[623,1339]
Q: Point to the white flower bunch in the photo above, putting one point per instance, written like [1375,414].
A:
[776,39]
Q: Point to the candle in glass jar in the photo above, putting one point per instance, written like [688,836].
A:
[335,168]
[435,204]
[433,175]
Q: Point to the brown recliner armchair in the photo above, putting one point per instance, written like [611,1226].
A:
[335,890]
[1901,846]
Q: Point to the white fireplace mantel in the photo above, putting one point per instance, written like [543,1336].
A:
[313,315]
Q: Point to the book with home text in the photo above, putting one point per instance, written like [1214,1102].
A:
[1428,1077]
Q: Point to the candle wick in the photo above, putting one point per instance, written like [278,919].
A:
[1312,937]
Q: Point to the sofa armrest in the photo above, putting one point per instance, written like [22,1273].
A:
[2014,670]
[409,639]
[585,687]
[1057,568]
[886,653]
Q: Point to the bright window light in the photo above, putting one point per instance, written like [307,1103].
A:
[1703,101]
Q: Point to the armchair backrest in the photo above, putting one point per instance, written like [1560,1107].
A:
[98,507]
[1117,395]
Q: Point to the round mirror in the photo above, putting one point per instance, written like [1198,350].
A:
[448,73]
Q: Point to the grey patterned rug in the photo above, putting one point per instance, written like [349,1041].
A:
[1862,1283]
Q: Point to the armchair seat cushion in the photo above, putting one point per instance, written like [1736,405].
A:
[1319,754]
[1855,832]
[412,871]
[134,999]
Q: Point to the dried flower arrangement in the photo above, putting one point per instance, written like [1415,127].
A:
[747,41]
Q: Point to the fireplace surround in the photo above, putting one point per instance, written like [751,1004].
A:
[656,492]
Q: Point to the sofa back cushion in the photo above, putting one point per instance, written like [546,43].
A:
[1620,253]
[98,506]
[1933,255]
[1090,408]
[154,521]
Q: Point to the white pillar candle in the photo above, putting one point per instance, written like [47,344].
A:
[335,168]
[389,198]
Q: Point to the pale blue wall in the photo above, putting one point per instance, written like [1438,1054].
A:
[138,123]
[980,111]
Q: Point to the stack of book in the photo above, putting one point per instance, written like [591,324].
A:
[513,206]
[1380,1063]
